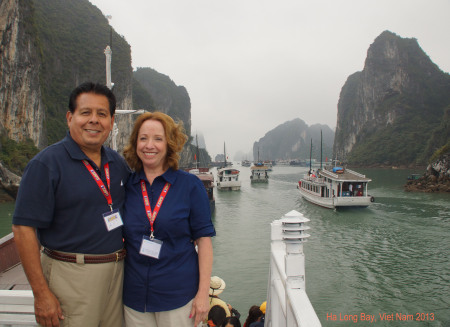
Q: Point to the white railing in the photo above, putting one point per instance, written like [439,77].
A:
[356,173]
[17,308]
[288,304]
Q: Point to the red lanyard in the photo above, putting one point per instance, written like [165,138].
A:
[99,182]
[152,216]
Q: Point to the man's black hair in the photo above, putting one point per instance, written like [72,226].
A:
[90,87]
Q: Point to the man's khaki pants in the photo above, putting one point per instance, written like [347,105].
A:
[89,294]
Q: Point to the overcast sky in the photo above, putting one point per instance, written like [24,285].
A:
[251,65]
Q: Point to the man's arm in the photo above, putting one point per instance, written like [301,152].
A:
[47,308]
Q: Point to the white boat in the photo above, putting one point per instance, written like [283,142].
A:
[259,173]
[335,187]
[245,163]
[227,177]
[268,164]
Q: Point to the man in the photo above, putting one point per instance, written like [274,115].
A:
[69,202]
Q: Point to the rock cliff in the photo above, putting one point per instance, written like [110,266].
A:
[47,48]
[9,184]
[22,112]
[388,111]
[42,60]
[168,97]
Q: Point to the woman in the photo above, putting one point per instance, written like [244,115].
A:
[254,313]
[166,214]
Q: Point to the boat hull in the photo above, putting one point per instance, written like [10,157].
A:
[259,180]
[229,186]
[336,202]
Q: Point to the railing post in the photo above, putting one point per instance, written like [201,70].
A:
[287,302]
[293,230]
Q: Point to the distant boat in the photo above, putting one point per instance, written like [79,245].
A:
[413,177]
[259,172]
[246,163]
[298,162]
[227,177]
[268,164]
[207,179]
[283,162]
[205,176]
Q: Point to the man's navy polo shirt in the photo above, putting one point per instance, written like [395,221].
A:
[59,197]
[170,282]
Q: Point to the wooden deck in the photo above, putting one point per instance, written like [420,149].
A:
[12,276]
[14,279]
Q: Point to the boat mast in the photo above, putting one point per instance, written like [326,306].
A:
[224,156]
[198,157]
[320,149]
[310,154]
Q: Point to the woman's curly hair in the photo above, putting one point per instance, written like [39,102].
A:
[175,136]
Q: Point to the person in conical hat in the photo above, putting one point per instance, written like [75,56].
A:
[216,287]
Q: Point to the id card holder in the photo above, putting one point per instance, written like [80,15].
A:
[112,219]
[150,247]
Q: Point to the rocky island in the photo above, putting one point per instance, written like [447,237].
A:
[435,179]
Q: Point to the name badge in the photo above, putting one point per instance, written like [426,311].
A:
[150,247]
[112,219]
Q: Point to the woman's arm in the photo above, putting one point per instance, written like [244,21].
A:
[200,306]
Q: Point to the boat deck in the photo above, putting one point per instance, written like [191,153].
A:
[12,276]
[348,176]
[14,279]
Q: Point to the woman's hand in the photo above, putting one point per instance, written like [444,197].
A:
[200,308]
[200,305]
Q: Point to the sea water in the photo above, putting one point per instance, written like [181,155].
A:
[386,265]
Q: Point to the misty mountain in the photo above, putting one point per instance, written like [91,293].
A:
[292,140]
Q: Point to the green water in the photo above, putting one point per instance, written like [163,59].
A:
[389,259]
[6,211]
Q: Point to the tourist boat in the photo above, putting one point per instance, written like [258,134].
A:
[227,177]
[205,176]
[259,173]
[207,179]
[268,164]
[246,163]
[335,188]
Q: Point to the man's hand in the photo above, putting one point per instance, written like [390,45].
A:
[47,309]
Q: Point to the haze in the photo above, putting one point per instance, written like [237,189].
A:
[250,65]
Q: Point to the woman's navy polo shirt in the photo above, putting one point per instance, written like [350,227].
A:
[59,197]
[170,282]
